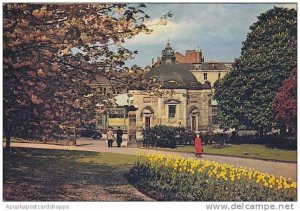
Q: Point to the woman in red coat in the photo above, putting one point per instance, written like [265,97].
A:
[198,146]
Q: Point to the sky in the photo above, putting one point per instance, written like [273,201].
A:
[217,29]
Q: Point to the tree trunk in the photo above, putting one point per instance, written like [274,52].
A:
[75,135]
[7,134]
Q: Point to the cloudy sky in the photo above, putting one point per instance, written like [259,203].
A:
[218,29]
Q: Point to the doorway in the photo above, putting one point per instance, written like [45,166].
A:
[147,122]
[194,125]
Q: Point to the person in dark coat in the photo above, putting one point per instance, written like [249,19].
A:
[198,146]
[119,137]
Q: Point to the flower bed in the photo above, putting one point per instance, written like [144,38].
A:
[187,179]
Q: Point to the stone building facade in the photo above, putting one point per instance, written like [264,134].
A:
[211,71]
[186,108]
[204,72]
[181,99]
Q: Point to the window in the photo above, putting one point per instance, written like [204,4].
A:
[197,66]
[172,111]
[205,76]
[212,66]
[219,75]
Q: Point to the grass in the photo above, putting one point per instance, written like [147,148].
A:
[244,150]
[61,175]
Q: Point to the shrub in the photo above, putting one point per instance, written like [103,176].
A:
[272,140]
[181,179]
[217,138]
[185,138]
[160,136]
[165,136]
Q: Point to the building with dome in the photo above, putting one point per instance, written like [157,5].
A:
[181,100]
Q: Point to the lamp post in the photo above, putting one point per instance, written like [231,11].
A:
[105,102]
[130,97]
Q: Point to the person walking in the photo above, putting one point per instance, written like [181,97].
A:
[119,137]
[110,137]
[198,146]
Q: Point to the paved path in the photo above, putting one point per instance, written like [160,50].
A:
[288,170]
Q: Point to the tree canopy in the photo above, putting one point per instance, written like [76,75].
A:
[246,94]
[48,52]
[285,104]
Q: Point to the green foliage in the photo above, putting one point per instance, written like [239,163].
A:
[186,138]
[160,136]
[51,52]
[285,104]
[246,93]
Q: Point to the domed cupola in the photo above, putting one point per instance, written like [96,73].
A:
[172,75]
[168,55]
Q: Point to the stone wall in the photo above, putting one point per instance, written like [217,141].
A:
[200,100]
[141,100]
[178,98]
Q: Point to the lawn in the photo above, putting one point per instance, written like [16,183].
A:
[61,175]
[245,150]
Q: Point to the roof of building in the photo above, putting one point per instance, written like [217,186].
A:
[215,66]
[172,75]
[97,80]
[175,76]
[177,53]
[101,80]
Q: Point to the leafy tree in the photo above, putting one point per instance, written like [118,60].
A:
[285,104]
[246,94]
[48,52]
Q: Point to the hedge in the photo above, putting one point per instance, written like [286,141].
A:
[171,137]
